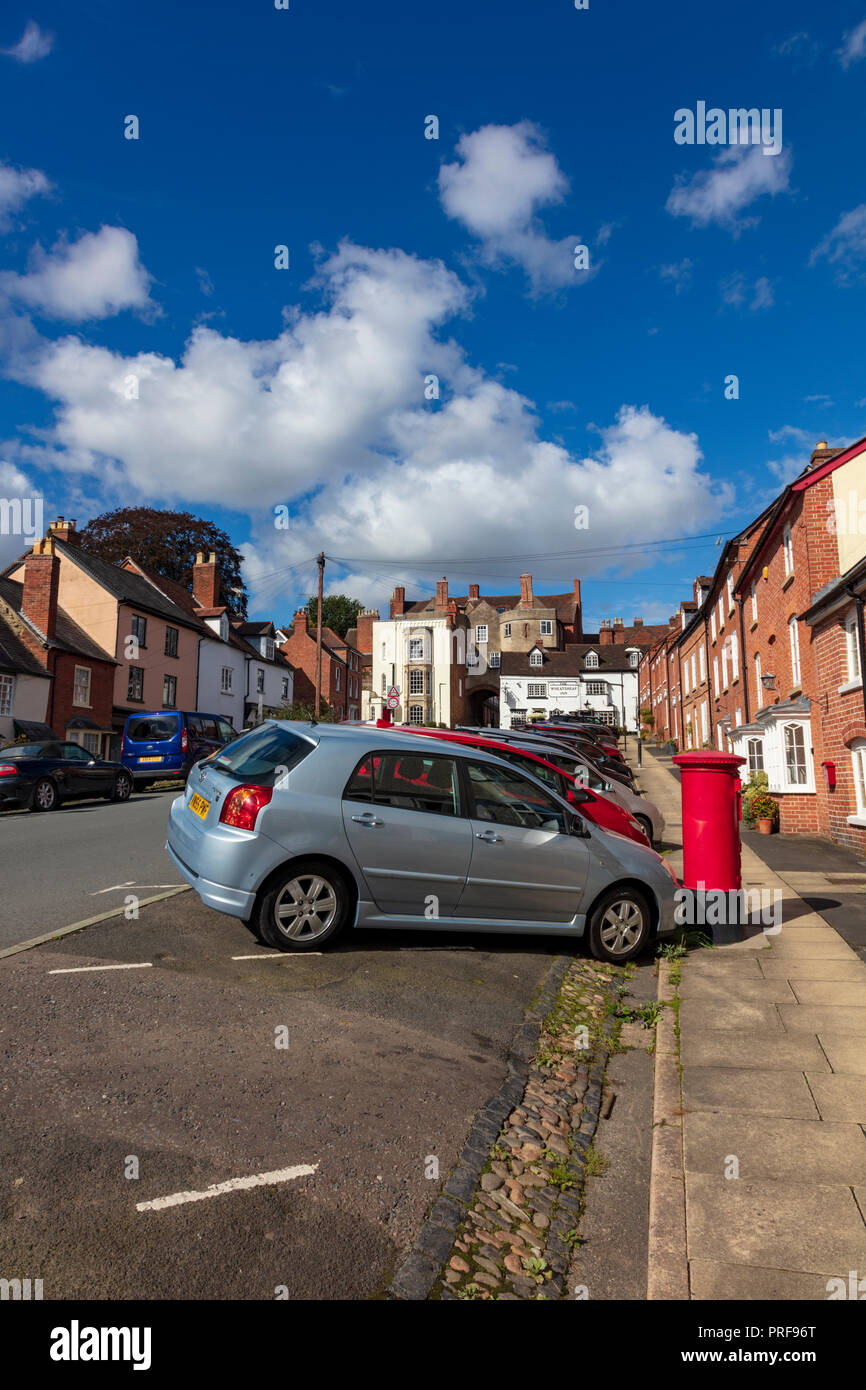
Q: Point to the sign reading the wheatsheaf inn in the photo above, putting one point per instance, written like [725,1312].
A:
[563,687]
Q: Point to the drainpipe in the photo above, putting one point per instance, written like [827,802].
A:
[861,640]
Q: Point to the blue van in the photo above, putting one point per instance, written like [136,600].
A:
[164,744]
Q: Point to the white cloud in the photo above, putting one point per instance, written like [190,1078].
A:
[738,293]
[739,175]
[679,273]
[34,44]
[845,246]
[330,418]
[503,176]
[854,46]
[92,278]
[16,187]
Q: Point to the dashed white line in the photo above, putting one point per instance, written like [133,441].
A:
[279,955]
[176,1199]
[83,969]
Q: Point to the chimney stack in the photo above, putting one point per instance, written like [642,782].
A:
[474,591]
[526,600]
[364,629]
[299,622]
[618,630]
[63,530]
[206,584]
[398,601]
[41,585]
[605,633]
[638,622]
[442,593]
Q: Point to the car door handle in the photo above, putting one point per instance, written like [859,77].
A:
[490,837]
[368,819]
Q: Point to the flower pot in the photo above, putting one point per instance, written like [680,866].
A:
[765,824]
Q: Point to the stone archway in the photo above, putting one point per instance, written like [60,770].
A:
[484,706]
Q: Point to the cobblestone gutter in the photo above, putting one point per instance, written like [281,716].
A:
[506,1222]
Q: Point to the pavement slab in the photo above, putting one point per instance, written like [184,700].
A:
[839,1097]
[749,1091]
[767,1147]
[709,1279]
[815,1018]
[845,1051]
[726,1047]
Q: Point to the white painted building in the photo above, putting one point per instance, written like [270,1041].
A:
[426,659]
[584,678]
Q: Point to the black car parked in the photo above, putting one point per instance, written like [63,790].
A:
[42,775]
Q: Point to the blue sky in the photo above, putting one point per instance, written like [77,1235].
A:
[305,387]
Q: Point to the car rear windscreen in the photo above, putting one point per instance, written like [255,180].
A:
[256,756]
[28,750]
[153,729]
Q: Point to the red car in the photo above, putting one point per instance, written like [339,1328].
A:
[597,808]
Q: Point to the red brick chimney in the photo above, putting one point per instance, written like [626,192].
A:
[442,593]
[63,530]
[364,628]
[578,612]
[41,583]
[618,630]
[206,583]
[474,591]
[638,622]
[299,623]
[526,600]
[605,633]
[398,601]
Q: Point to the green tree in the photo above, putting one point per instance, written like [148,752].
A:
[167,542]
[339,612]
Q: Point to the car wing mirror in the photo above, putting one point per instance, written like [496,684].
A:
[579,827]
[576,796]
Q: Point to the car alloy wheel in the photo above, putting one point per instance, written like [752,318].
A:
[619,927]
[646,826]
[122,787]
[45,795]
[306,907]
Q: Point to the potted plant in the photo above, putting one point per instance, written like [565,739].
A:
[764,811]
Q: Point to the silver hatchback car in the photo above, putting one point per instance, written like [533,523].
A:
[307,829]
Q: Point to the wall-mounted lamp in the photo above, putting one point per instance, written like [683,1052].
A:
[768,682]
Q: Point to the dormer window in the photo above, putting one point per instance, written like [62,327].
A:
[591,659]
[633,658]
[535,658]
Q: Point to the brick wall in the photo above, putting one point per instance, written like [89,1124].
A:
[62,708]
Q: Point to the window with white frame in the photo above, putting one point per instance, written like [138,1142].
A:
[416,714]
[416,648]
[507,629]
[721,612]
[735,657]
[788,551]
[685,678]
[536,690]
[730,590]
[269,649]
[754,602]
[260,681]
[81,687]
[384,682]
[796,773]
[705,724]
[852,645]
[858,759]
[721,737]
[694,672]
[536,659]
[794,636]
[759,689]
[738,717]
[596,687]
[338,678]
[285,687]
[633,658]
[546,627]
[7,694]
[716,674]
[702,663]
[713,626]
[755,754]
[481,632]
[591,659]
[494,659]
[92,743]
[725,666]
[226,680]
[169,692]
[416,682]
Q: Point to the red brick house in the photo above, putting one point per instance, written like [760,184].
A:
[341,668]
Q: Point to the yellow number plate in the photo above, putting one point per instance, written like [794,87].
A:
[151,760]
[198,805]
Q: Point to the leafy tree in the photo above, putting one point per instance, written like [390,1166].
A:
[167,542]
[301,711]
[339,612]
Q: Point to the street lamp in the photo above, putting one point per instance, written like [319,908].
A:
[768,682]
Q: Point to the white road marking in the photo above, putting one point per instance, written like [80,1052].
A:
[278,955]
[301,1170]
[115,888]
[88,922]
[83,969]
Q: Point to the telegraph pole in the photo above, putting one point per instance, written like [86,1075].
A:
[320,561]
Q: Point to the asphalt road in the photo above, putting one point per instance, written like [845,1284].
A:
[83,859]
[172,1071]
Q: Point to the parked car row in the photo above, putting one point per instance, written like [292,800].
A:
[160,745]
[304,830]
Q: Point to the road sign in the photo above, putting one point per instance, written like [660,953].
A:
[393,701]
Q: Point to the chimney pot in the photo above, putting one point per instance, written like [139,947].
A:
[206,583]
[526,598]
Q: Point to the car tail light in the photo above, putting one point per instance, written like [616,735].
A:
[242,805]
[7,770]
[184,741]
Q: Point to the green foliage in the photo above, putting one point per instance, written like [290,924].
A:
[167,542]
[755,795]
[298,710]
[339,612]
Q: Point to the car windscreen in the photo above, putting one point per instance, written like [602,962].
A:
[261,755]
[153,728]
[28,750]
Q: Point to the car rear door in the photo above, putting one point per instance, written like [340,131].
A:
[526,865]
[408,831]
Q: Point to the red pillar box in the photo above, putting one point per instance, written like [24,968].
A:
[711,820]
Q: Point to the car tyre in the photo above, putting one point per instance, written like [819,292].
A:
[646,826]
[122,789]
[303,908]
[620,925]
[45,797]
